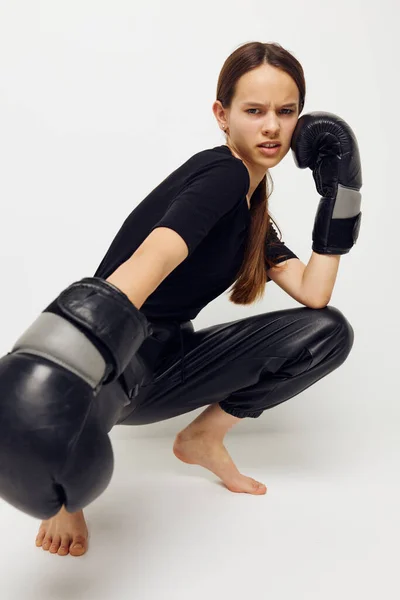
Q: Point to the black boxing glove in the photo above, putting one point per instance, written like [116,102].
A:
[326,144]
[53,449]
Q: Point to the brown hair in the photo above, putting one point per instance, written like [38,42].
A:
[251,279]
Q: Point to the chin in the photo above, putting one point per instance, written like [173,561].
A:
[270,160]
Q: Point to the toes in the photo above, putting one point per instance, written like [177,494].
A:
[64,547]
[62,544]
[47,542]
[55,543]
[40,537]
[260,487]
[78,546]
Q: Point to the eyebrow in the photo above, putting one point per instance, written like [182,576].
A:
[291,104]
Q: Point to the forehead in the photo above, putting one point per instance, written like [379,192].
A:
[266,84]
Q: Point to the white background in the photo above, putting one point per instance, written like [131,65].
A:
[99,102]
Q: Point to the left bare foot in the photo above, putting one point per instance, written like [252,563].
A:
[200,449]
[65,533]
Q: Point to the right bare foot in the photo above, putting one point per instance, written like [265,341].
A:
[197,448]
[63,533]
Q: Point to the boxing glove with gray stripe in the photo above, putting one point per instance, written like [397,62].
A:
[54,447]
[326,144]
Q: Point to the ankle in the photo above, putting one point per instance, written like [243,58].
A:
[213,423]
[192,432]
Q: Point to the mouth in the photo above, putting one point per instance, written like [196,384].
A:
[271,151]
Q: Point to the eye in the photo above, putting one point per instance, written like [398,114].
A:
[289,110]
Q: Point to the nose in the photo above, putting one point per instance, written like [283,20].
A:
[271,124]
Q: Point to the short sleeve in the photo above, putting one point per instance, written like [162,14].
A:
[275,249]
[209,195]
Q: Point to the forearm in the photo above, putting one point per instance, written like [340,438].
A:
[139,276]
[319,278]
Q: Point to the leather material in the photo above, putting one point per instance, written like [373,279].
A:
[163,348]
[54,447]
[247,365]
[106,313]
[52,337]
[326,144]
[54,450]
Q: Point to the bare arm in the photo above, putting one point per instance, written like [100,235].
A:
[160,253]
[310,284]
[319,277]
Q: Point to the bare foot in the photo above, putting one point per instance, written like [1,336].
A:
[200,449]
[66,532]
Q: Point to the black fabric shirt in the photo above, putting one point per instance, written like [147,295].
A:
[204,201]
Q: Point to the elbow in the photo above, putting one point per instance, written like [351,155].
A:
[317,303]
[315,300]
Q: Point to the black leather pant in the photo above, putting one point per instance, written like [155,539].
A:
[247,365]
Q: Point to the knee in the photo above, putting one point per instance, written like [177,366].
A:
[334,318]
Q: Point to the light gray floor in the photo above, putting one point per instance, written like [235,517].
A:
[328,527]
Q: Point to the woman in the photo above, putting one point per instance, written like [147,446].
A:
[204,228]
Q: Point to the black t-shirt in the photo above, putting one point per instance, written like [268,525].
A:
[204,201]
